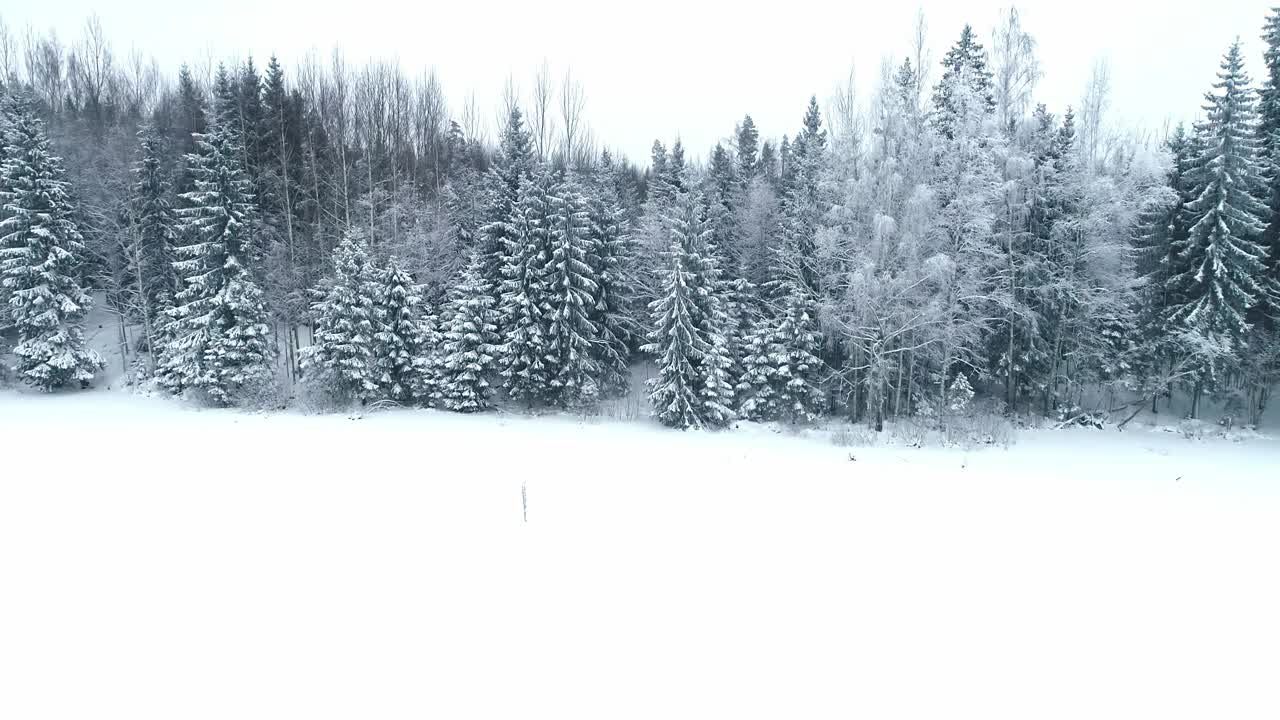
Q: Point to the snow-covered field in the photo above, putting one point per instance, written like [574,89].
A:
[158,561]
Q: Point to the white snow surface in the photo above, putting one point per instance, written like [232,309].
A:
[296,566]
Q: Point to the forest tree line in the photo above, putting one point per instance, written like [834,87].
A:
[948,241]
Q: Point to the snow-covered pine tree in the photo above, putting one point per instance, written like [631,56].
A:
[155,237]
[676,344]
[738,299]
[756,392]
[341,358]
[742,314]
[1162,232]
[465,360]
[1263,363]
[613,311]
[234,102]
[966,58]
[1224,260]
[675,175]
[1269,149]
[714,321]
[692,388]
[524,312]
[191,120]
[405,339]
[221,339]
[660,191]
[747,146]
[782,377]
[41,253]
[572,287]
[802,206]
[512,168]
[798,371]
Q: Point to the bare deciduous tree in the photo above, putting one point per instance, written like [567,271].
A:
[573,100]
[8,55]
[541,121]
[1093,108]
[1015,68]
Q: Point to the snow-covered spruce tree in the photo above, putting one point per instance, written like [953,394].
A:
[155,230]
[802,205]
[652,235]
[782,372]
[498,234]
[572,287]
[756,392]
[1269,148]
[675,177]
[405,340]
[613,260]
[221,338]
[747,149]
[723,195]
[465,360]
[40,256]
[692,388]
[966,58]
[524,312]
[1223,259]
[341,358]
[718,378]
[1263,363]
[798,370]
[1161,232]
[676,346]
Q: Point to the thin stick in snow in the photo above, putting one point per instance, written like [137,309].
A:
[524,499]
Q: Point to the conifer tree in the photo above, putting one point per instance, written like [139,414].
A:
[572,287]
[524,315]
[757,389]
[799,393]
[1223,259]
[801,203]
[466,360]
[221,342]
[660,190]
[191,121]
[782,371]
[1162,235]
[747,146]
[675,178]
[341,358]
[742,316]
[677,346]
[41,252]
[768,164]
[155,232]
[278,152]
[405,339]
[247,90]
[612,311]
[965,62]
[511,169]
[718,367]
[1269,154]
[693,388]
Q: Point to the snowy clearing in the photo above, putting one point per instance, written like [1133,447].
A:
[291,566]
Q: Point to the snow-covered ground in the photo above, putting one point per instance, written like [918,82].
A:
[158,561]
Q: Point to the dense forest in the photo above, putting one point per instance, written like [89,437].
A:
[340,232]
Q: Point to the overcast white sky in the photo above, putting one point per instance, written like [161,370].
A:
[662,68]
